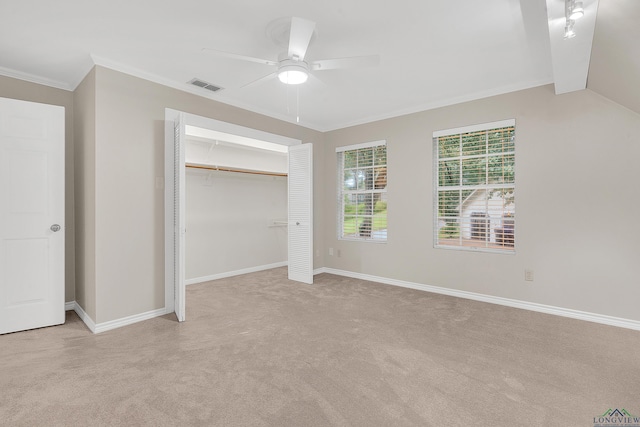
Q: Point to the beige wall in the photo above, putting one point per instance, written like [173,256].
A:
[576,176]
[129,209]
[578,220]
[84,129]
[227,220]
[23,90]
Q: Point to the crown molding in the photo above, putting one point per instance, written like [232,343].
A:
[96,60]
[85,69]
[446,102]
[20,75]
[185,87]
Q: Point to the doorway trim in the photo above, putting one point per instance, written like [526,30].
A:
[188,119]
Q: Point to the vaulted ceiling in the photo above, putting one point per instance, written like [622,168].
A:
[614,69]
[432,53]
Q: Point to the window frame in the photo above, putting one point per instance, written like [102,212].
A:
[487,186]
[341,192]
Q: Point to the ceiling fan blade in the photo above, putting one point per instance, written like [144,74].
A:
[300,37]
[260,80]
[317,81]
[240,57]
[352,62]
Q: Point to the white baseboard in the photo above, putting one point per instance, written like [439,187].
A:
[84,317]
[129,320]
[235,273]
[113,324]
[548,309]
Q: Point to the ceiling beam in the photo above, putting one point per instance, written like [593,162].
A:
[570,57]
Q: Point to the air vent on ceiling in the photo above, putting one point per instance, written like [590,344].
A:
[204,85]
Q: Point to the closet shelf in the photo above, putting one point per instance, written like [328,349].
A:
[225,169]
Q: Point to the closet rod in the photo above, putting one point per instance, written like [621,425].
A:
[217,168]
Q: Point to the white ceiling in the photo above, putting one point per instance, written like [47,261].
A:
[433,53]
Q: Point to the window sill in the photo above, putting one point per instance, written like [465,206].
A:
[475,249]
[356,239]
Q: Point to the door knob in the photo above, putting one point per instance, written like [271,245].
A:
[55,227]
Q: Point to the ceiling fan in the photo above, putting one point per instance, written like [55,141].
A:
[291,67]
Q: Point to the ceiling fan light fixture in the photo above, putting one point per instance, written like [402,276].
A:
[294,73]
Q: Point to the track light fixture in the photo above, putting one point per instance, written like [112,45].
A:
[577,10]
[574,9]
[569,33]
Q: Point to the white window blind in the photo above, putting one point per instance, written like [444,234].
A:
[362,192]
[475,187]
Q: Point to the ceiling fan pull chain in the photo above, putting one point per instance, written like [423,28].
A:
[297,105]
[288,94]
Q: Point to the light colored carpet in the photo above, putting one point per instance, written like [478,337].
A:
[259,350]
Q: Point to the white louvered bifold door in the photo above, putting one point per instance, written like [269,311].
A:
[179,218]
[301,213]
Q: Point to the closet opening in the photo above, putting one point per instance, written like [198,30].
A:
[236,205]
[240,218]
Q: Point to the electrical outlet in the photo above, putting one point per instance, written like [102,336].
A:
[317,252]
[330,251]
[528,275]
[339,253]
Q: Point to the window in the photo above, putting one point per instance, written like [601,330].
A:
[475,187]
[362,192]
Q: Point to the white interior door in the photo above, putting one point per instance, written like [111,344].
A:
[301,213]
[32,228]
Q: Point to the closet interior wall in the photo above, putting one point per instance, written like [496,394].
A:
[235,222]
